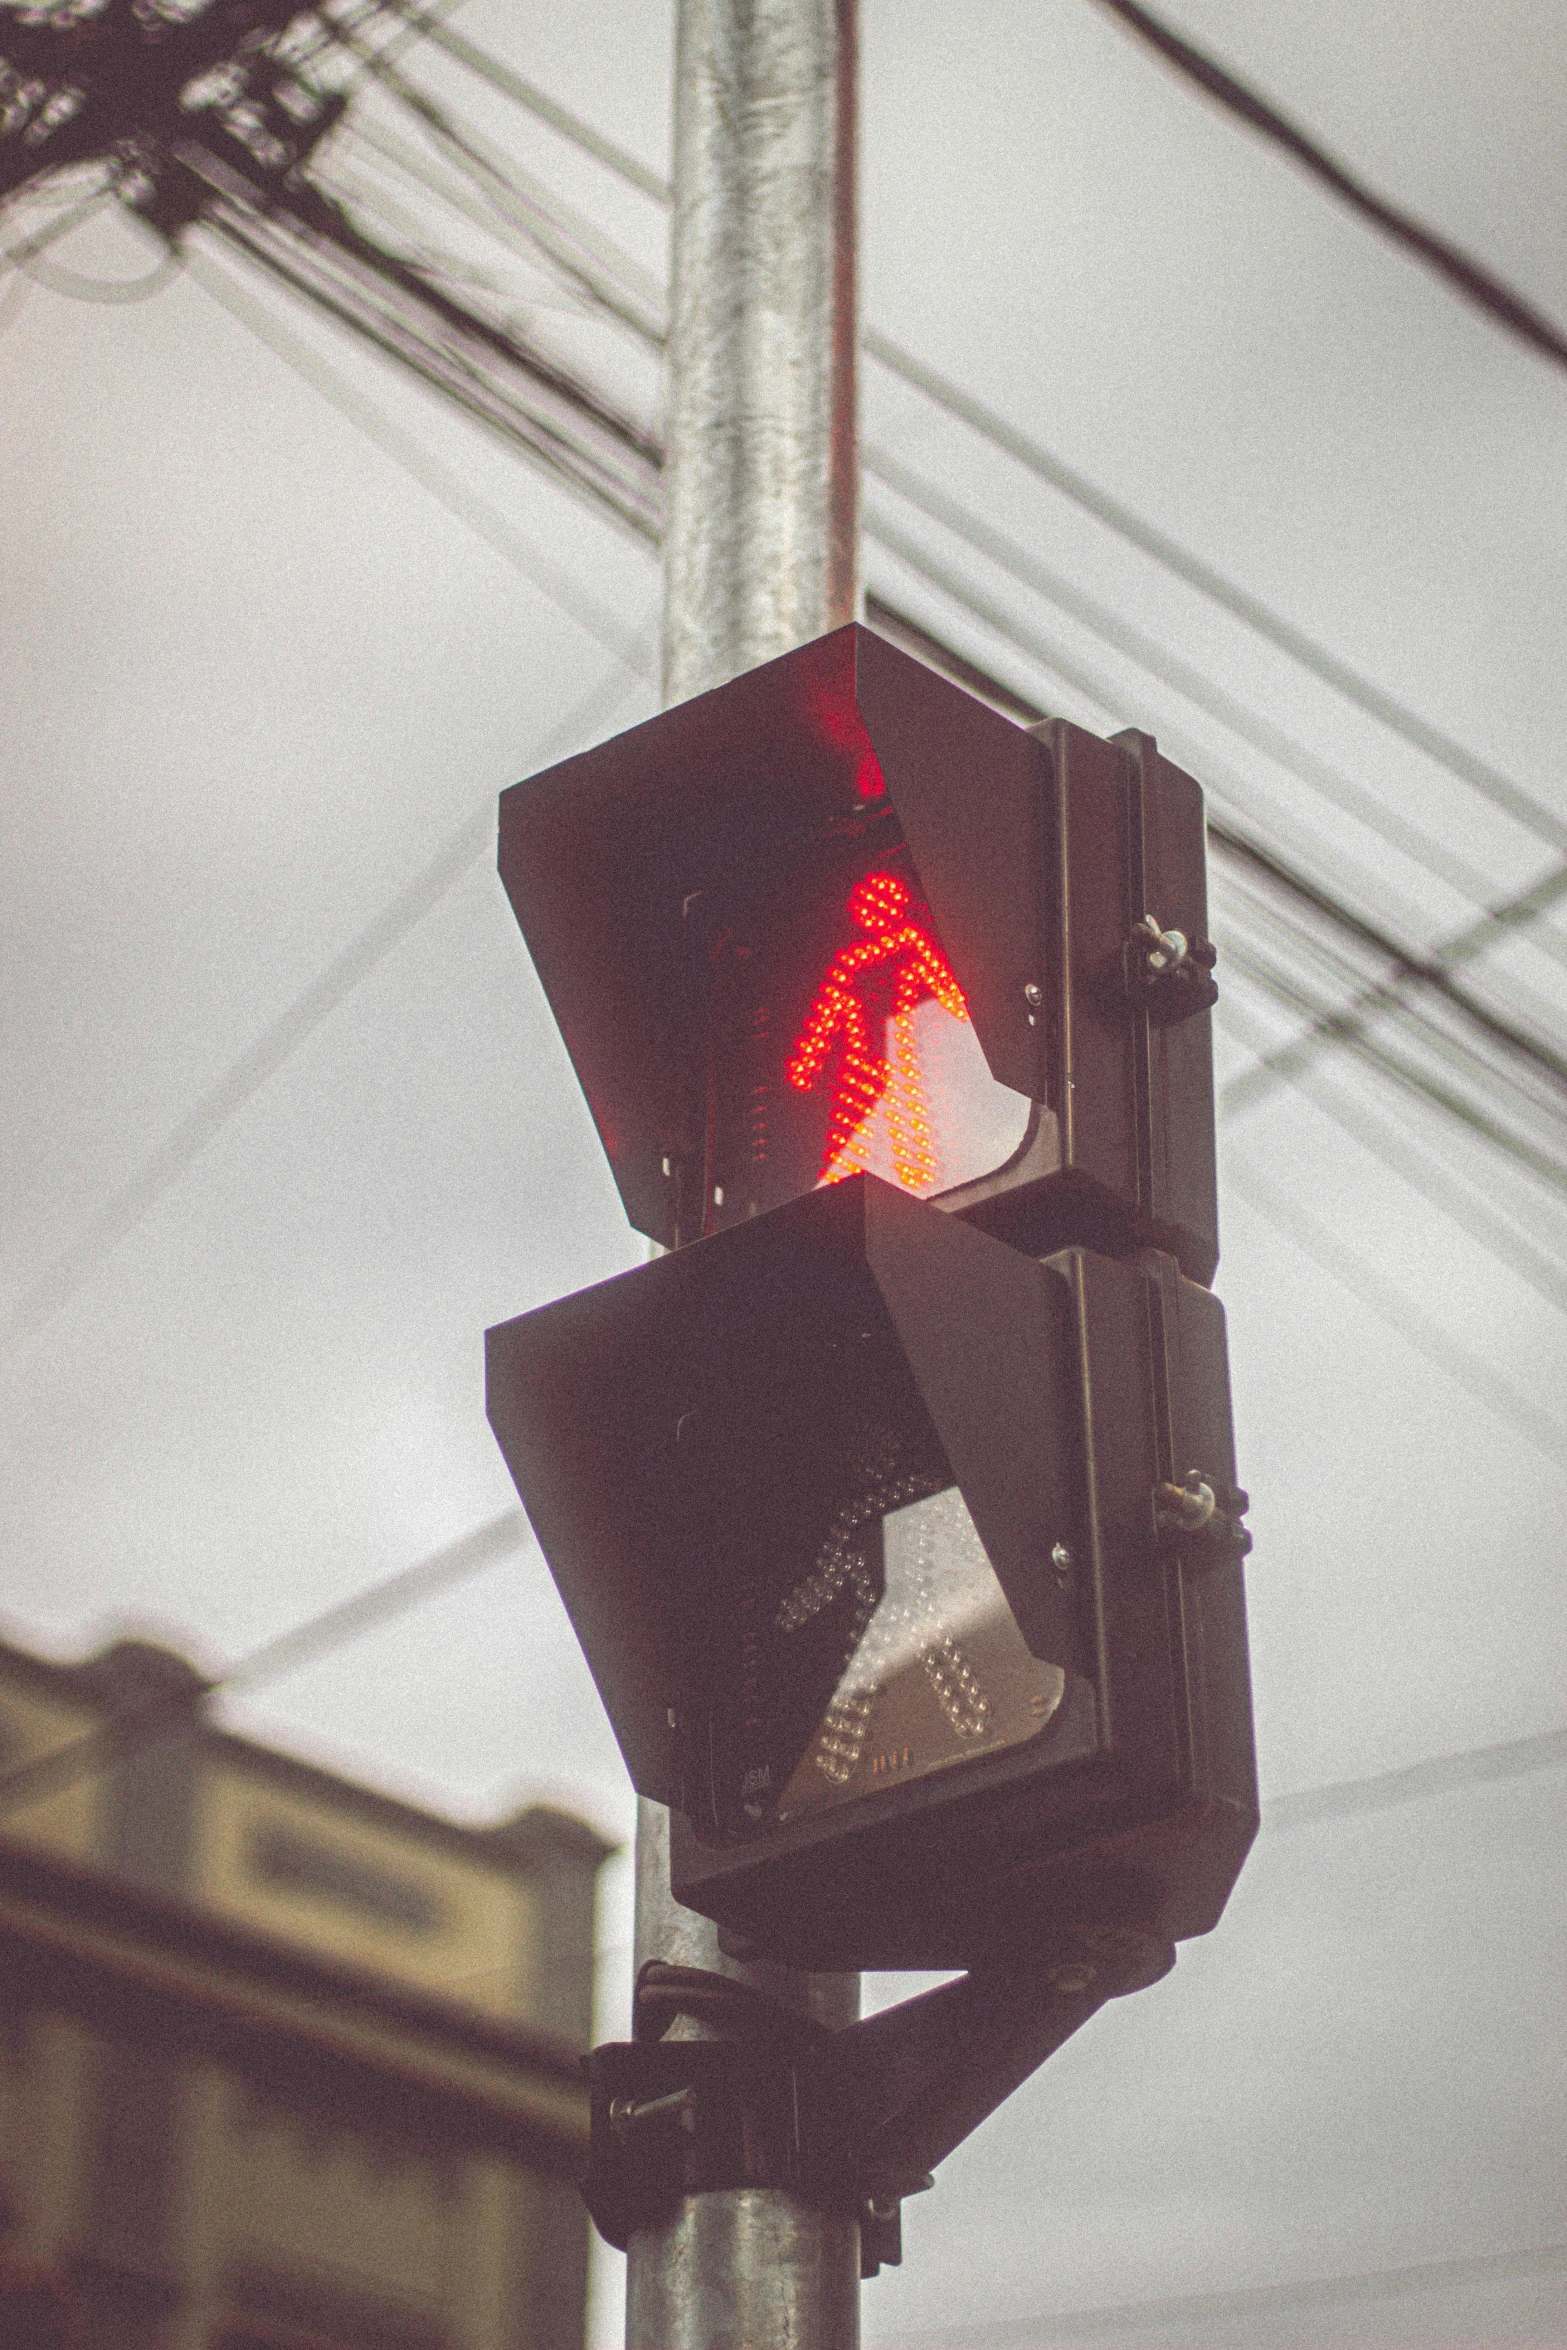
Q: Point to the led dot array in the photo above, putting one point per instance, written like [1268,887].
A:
[879,904]
[878,1629]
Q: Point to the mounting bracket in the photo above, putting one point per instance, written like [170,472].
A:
[852,2120]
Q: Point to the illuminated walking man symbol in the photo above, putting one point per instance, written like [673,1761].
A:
[867,1074]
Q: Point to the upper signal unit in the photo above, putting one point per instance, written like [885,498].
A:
[841,917]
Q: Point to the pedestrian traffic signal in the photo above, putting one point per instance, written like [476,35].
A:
[908,1567]
[897,1516]
[839,916]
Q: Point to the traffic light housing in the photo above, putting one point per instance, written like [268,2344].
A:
[694,892]
[895,1509]
[874,1532]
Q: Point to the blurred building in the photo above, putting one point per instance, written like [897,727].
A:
[284,2064]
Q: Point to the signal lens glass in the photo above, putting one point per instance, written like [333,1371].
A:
[841,1043]
[902,1631]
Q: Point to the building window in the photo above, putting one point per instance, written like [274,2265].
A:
[281,1857]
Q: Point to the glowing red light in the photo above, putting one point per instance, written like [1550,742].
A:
[865,1075]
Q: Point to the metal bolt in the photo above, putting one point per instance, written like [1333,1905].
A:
[1033,994]
[1077,1977]
[1167,949]
[626,2117]
[1061,1560]
[1185,1507]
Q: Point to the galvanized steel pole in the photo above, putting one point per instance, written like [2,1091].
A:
[760,555]
[762,509]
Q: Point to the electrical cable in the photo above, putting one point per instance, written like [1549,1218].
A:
[1441,748]
[18,256]
[1417,1329]
[460,197]
[1252,855]
[550,579]
[1190,682]
[1186,680]
[1459,949]
[527,207]
[1211,2317]
[135,1199]
[1116,701]
[1477,284]
[76,288]
[1443,1774]
[1233,843]
[606,477]
[1242,848]
[1446,1099]
[1329,973]
[63,1766]
[1546,1169]
[26,258]
[528,94]
[647,324]
[1545,1275]
[1536,1076]
[422,24]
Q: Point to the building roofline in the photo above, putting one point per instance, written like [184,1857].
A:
[517,1846]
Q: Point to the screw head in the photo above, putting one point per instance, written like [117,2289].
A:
[1061,1560]
[1078,1975]
[1033,993]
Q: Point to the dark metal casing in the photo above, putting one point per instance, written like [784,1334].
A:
[1039,852]
[696,1420]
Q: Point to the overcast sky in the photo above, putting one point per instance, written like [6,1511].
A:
[259,680]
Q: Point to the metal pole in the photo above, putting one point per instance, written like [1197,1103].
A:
[762,510]
[760,552]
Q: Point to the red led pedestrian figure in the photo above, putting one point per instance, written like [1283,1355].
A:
[866,1073]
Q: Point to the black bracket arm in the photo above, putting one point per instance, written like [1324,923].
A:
[852,2120]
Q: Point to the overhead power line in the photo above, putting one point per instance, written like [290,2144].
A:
[404,280]
[551,579]
[1448,1774]
[1432,971]
[1420,1169]
[1282,1060]
[993,427]
[527,94]
[572,244]
[1476,283]
[135,1199]
[1266,973]
[1402,1072]
[1531,813]
[1418,1329]
[1425,970]
[1414,1326]
[1182,676]
[66,1765]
